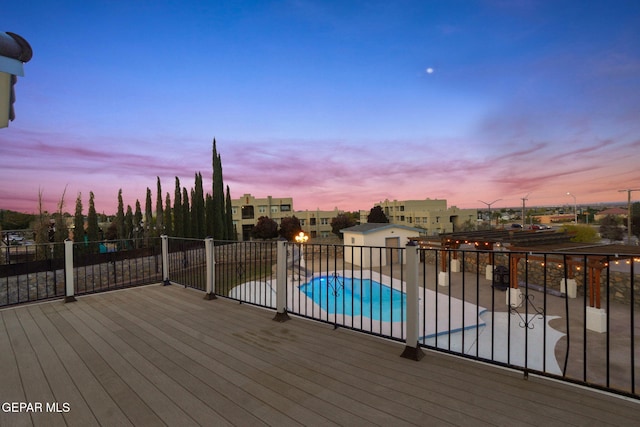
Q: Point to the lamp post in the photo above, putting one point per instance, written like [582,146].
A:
[575,207]
[301,238]
[489,207]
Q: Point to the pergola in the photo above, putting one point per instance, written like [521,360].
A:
[536,246]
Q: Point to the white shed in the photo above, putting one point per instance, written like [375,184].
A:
[376,244]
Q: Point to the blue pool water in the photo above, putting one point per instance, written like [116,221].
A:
[356,297]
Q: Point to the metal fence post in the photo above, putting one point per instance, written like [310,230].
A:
[281,283]
[165,260]
[68,271]
[412,349]
[211,269]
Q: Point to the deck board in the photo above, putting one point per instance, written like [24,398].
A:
[163,355]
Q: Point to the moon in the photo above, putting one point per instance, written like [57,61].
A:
[429,70]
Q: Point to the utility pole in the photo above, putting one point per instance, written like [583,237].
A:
[525,198]
[629,191]
[489,207]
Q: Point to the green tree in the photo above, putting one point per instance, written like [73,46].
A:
[219,232]
[468,225]
[581,233]
[197,209]
[186,213]
[168,223]
[178,221]
[231,232]
[138,224]
[120,217]
[78,221]
[610,228]
[340,222]
[635,219]
[12,220]
[290,227]
[159,213]
[148,214]
[265,228]
[376,215]
[128,223]
[93,230]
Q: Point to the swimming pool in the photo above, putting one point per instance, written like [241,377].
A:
[356,297]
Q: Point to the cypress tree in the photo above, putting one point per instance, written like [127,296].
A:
[197,208]
[93,231]
[168,226]
[120,216]
[218,196]
[128,223]
[178,221]
[159,213]
[231,232]
[138,225]
[148,214]
[78,221]
[186,213]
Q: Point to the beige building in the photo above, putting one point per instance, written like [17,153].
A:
[247,209]
[431,215]
[317,224]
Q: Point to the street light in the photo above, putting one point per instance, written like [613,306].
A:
[489,207]
[575,207]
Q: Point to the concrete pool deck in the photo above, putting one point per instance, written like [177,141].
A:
[449,323]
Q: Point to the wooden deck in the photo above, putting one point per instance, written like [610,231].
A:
[165,356]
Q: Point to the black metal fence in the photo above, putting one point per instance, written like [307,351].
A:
[36,272]
[31,272]
[117,264]
[570,316]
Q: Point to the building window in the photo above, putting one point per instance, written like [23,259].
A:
[234,210]
[302,221]
[247,212]
[312,221]
[313,234]
[262,209]
[274,209]
[324,221]
[285,208]
[401,208]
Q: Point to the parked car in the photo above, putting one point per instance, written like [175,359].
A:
[516,225]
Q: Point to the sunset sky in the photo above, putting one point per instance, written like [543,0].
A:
[334,103]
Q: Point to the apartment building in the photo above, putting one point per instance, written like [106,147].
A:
[431,215]
[247,209]
[317,223]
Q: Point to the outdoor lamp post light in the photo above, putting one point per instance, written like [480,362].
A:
[301,238]
[575,207]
